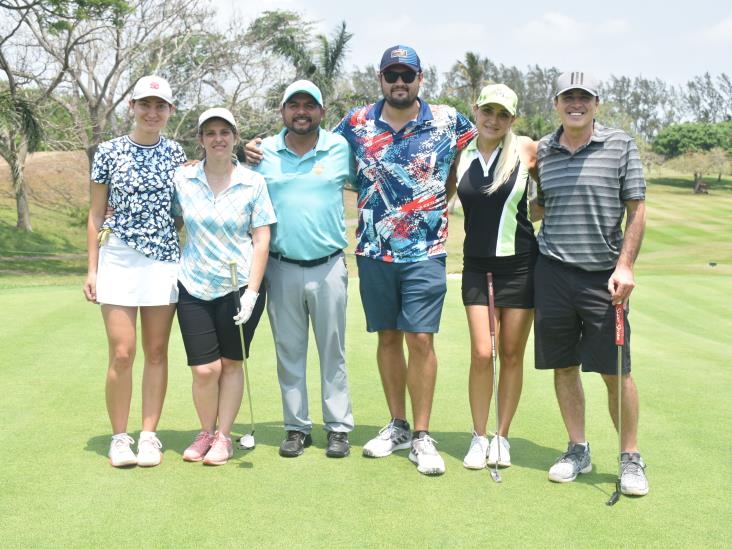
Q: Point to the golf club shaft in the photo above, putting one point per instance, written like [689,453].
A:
[620,341]
[492,325]
[237,301]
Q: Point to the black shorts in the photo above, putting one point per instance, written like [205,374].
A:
[208,328]
[513,281]
[574,321]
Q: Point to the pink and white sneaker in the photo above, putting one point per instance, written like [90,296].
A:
[198,448]
[221,450]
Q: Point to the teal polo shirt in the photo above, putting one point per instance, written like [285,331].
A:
[307,195]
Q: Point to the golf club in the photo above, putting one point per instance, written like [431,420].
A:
[246,442]
[492,323]
[619,341]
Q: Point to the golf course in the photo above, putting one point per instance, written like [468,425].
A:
[57,488]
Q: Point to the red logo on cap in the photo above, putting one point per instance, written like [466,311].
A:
[154,85]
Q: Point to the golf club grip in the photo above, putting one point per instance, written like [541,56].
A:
[235,284]
[619,325]
[491,304]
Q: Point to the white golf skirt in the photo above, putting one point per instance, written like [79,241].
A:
[127,277]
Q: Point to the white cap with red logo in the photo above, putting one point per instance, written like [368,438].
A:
[153,86]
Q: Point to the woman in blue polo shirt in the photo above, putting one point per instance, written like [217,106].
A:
[227,212]
[493,176]
[133,263]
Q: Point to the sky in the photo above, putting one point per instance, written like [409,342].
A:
[670,40]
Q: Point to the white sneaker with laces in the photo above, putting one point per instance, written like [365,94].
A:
[475,458]
[148,450]
[633,480]
[120,453]
[425,455]
[505,458]
[390,438]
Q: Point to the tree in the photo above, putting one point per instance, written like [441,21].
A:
[467,77]
[678,139]
[24,71]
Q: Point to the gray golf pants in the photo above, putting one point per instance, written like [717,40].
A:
[296,296]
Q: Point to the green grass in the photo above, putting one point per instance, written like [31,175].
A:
[58,490]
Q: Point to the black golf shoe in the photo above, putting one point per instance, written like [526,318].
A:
[294,444]
[338,446]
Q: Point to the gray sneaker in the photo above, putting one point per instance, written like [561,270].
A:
[390,438]
[633,481]
[574,461]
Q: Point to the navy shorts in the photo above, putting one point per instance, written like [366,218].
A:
[208,328]
[402,296]
[574,322]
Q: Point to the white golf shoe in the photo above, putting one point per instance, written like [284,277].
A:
[120,453]
[392,437]
[633,481]
[504,460]
[574,461]
[475,458]
[425,456]
[148,450]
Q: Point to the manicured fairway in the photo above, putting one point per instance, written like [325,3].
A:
[57,489]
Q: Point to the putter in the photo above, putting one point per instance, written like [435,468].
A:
[246,442]
[492,323]
[619,341]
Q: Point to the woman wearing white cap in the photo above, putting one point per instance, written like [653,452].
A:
[493,175]
[133,263]
[227,212]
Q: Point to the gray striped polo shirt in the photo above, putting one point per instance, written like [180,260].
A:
[583,196]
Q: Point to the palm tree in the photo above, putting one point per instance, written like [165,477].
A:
[470,75]
[20,134]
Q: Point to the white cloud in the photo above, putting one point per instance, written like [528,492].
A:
[557,29]
[719,34]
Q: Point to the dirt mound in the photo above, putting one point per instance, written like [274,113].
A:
[52,178]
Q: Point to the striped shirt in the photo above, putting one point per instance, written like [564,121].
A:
[583,195]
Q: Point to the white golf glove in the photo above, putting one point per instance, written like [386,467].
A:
[247,306]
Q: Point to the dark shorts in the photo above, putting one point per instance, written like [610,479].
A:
[208,328]
[402,296]
[513,281]
[574,322]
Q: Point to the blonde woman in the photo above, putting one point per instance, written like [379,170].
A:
[493,177]
[133,263]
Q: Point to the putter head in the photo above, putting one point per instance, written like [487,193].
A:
[495,475]
[246,442]
[616,494]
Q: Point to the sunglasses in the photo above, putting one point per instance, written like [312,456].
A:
[392,76]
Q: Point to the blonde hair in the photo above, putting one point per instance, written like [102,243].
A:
[508,157]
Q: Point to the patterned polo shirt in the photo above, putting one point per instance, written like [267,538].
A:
[140,179]
[584,193]
[401,177]
[217,228]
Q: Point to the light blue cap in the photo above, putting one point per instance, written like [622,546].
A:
[303,86]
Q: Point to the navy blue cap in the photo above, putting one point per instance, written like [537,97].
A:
[400,55]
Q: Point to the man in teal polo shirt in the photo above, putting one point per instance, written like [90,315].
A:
[306,169]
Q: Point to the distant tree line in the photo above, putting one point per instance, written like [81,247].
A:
[67,68]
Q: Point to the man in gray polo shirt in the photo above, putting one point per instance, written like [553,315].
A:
[590,176]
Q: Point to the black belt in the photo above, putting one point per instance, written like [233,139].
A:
[304,262]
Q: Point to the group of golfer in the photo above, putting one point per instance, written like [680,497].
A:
[280,221]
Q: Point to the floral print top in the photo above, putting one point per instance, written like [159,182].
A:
[140,179]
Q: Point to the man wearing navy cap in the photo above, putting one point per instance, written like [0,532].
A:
[404,150]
